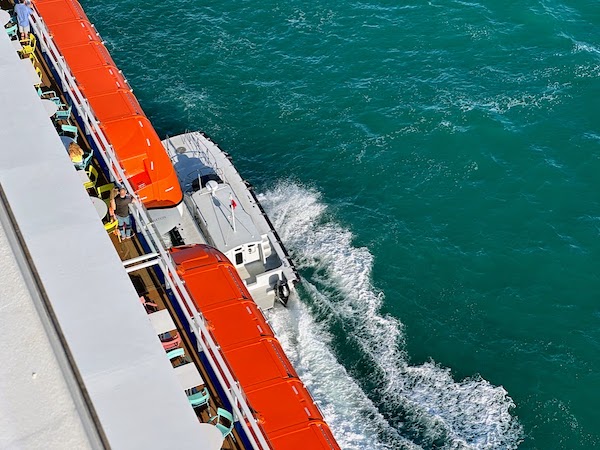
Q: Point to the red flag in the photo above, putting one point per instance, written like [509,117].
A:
[233,204]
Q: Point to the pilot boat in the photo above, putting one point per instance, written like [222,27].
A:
[222,210]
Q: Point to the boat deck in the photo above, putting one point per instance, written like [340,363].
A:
[229,215]
[172,321]
[147,284]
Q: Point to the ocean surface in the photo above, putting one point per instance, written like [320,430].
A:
[434,168]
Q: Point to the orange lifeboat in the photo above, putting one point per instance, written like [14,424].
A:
[286,411]
[122,119]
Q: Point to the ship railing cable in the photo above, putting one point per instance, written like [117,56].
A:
[195,320]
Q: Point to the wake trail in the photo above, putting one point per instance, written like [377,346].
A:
[352,416]
[424,402]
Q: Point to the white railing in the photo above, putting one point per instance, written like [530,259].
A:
[196,321]
[197,150]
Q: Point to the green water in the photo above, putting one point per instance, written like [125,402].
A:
[433,167]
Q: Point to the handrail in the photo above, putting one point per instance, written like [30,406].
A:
[196,321]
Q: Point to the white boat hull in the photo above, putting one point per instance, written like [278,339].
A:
[226,214]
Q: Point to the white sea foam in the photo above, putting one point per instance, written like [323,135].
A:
[469,414]
[354,419]
[502,104]
[579,46]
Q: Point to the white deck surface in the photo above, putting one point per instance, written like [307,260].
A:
[215,211]
[4,17]
[28,69]
[30,375]
[115,352]
[215,438]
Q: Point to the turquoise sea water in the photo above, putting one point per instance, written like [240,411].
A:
[433,167]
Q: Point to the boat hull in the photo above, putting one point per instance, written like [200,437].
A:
[228,215]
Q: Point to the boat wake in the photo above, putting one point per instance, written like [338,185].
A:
[406,406]
[351,415]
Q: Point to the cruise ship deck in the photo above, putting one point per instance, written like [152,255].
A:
[82,366]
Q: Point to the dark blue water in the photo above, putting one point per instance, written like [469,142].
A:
[433,167]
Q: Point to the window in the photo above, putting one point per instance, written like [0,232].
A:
[239,259]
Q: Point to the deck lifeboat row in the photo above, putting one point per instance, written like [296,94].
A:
[125,125]
[283,407]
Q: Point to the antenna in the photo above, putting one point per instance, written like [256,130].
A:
[212,186]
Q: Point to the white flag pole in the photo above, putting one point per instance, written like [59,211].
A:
[231,203]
